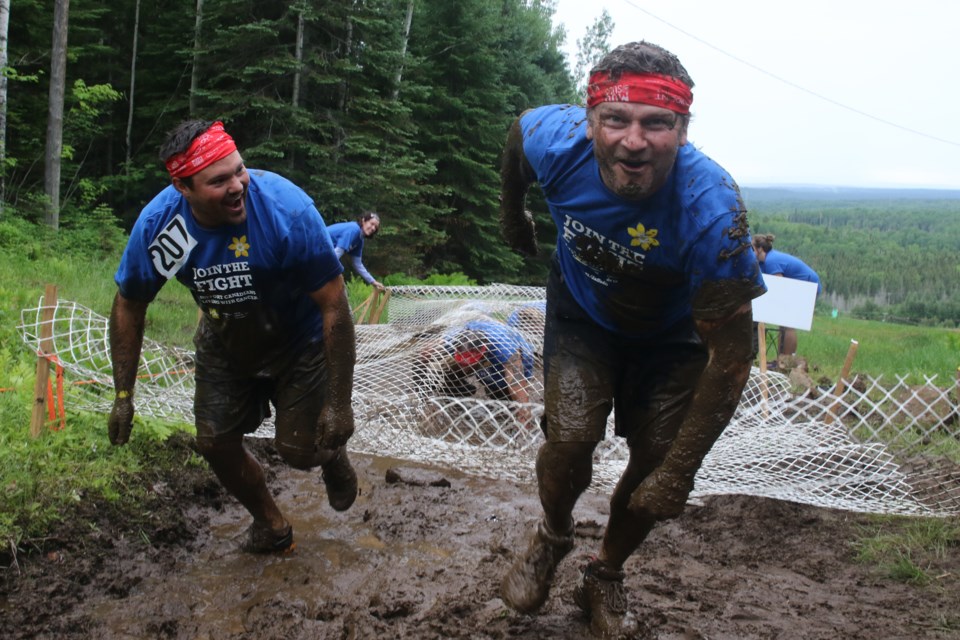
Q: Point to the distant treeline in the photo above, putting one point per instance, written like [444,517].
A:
[882,255]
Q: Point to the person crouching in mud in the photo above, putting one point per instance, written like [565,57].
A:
[648,311]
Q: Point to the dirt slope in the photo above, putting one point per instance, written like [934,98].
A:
[421,556]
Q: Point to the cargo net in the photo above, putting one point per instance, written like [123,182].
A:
[425,390]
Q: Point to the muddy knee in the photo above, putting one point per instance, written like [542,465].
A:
[212,448]
[300,457]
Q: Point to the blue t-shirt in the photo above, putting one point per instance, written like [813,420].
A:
[252,279]
[502,344]
[347,239]
[778,263]
[636,267]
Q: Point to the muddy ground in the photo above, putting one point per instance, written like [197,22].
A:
[420,556]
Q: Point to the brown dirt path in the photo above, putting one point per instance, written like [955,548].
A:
[421,558]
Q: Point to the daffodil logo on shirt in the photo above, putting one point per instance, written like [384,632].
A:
[239,246]
[642,237]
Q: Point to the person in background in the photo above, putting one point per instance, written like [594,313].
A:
[648,312]
[778,263]
[494,354]
[348,240]
[276,326]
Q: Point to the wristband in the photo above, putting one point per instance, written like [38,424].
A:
[123,393]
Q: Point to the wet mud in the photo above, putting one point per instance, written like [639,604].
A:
[420,556]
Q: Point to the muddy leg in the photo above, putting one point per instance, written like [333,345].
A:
[563,473]
[625,529]
[242,476]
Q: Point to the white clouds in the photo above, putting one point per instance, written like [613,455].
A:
[796,92]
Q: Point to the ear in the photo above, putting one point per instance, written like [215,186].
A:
[180,186]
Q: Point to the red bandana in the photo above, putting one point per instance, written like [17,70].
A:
[211,145]
[648,88]
[469,357]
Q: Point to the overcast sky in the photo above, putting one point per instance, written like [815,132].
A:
[859,93]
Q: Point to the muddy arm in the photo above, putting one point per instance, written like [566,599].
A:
[516,381]
[664,492]
[127,319]
[339,344]
[516,176]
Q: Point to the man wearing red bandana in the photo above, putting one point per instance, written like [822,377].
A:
[648,312]
[276,327]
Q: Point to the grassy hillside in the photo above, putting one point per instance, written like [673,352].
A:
[883,349]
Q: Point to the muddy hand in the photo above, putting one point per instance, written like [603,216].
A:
[121,420]
[336,427]
[662,495]
[520,233]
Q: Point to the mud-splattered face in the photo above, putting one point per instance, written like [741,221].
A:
[635,145]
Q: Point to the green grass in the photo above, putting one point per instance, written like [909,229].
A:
[908,549]
[883,349]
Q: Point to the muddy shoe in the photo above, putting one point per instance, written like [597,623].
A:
[526,585]
[600,594]
[262,539]
[340,480]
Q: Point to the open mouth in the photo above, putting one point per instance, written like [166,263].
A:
[235,205]
[633,165]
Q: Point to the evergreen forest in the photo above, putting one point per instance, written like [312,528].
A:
[397,106]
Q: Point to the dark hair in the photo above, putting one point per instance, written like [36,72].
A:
[469,340]
[369,215]
[642,57]
[179,139]
[763,241]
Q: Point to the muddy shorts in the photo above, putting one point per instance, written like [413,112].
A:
[589,371]
[229,402]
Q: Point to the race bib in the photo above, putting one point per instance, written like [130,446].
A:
[171,248]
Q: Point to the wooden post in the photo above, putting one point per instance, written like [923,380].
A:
[375,316]
[764,391]
[762,341]
[842,383]
[362,312]
[37,418]
[958,385]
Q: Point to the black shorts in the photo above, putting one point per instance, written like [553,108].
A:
[231,402]
[589,370]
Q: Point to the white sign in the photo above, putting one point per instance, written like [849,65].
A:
[787,303]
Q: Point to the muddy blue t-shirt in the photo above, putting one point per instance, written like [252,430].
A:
[251,280]
[503,343]
[636,267]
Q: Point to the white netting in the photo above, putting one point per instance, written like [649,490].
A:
[780,444]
